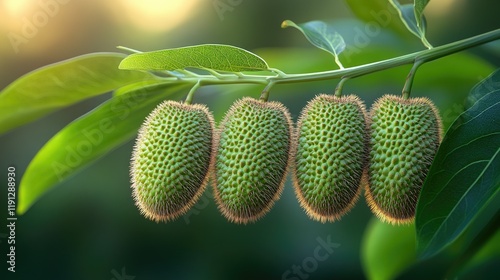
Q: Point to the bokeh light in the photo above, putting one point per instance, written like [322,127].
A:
[154,15]
[16,7]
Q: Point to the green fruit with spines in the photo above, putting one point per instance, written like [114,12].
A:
[330,156]
[404,138]
[171,160]
[252,157]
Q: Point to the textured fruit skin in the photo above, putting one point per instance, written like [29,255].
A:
[252,158]
[171,160]
[404,138]
[330,156]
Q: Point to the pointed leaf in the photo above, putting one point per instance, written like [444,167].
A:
[61,84]
[413,18]
[215,57]
[90,137]
[464,177]
[419,7]
[407,15]
[387,250]
[320,35]
[379,12]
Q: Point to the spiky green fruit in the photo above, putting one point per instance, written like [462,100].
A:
[252,157]
[404,138]
[171,159]
[330,155]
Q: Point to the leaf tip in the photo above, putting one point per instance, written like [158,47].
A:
[22,207]
[24,201]
[21,210]
[124,64]
[286,23]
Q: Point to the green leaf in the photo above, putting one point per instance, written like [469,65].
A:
[379,13]
[61,84]
[413,18]
[490,83]
[387,250]
[419,7]
[215,57]
[407,14]
[320,35]
[90,137]
[464,177]
[137,86]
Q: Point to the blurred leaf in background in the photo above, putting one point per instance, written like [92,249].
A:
[387,250]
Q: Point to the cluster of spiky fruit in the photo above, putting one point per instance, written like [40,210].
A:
[336,149]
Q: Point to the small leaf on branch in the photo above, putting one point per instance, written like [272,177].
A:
[214,57]
[320,35]
[419,7]
[413,18]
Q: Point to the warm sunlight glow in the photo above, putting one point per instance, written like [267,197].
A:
[16,7]
[437,8]
[157,15]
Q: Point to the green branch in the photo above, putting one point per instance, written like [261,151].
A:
[351,72]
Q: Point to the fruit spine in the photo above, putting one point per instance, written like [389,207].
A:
[171,159]
[330,155]
[252,158]
[405,136]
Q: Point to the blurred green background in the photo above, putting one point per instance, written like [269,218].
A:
[89,228]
